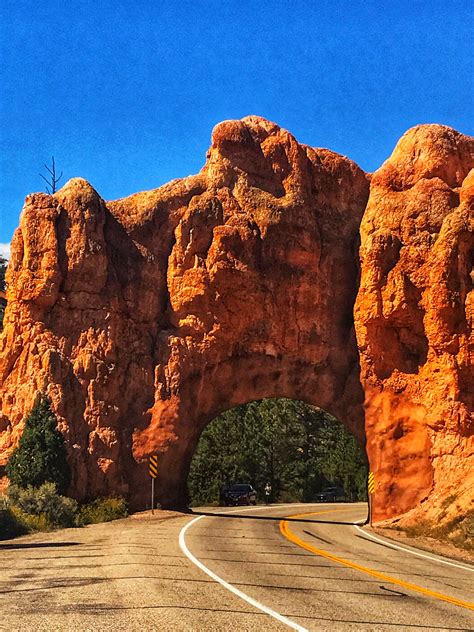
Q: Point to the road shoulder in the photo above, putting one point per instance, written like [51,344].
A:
[424,543]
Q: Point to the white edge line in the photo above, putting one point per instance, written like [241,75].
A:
[232,589]
[402,548]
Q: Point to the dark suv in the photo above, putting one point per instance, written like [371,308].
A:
[331,495]
[238,494]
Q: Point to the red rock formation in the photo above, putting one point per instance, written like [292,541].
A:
[144,318]
[414,317]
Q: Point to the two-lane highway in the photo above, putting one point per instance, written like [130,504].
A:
[306,567]
[319,571]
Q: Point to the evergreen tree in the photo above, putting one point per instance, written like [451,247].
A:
[41,454]
[3,269]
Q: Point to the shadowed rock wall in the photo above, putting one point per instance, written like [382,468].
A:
[145,317]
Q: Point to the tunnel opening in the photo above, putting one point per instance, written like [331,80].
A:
[300,450]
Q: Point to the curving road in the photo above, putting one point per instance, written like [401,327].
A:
[321,572]
[245,569]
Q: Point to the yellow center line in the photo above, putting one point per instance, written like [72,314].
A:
[289,535]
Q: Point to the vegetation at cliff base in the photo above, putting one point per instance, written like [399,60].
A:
[30,509]
[41,453]
[298,448]
[39,476]
[10,525]
[42,508]
[102,510]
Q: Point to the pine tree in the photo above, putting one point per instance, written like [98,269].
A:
[3,269]
[41,454]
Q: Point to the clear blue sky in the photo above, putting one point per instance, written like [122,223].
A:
[126,93]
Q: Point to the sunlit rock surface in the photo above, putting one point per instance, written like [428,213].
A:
[145,317]
[414,317]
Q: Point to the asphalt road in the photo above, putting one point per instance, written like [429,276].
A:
[247,570]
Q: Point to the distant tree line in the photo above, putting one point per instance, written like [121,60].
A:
[298,448]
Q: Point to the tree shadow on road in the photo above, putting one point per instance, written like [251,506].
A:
[239,516]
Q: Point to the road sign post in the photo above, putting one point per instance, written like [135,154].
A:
[152,496]
[153,470]
[371,491]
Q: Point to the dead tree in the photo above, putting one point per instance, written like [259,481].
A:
[52,181]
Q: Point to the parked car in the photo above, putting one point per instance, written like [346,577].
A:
[331,495]
[238,494]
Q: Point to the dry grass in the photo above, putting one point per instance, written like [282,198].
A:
[458,532]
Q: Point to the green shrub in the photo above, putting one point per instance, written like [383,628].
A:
[102,510]
[10,525]
[41,454]
[43,509]
[58,511]
[31,522]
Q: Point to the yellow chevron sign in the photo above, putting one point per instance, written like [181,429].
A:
[153,466]
[371,483]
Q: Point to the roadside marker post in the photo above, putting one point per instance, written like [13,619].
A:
[371,490]
[153,470]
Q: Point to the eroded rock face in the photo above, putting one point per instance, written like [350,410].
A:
[414,317]
[145,317]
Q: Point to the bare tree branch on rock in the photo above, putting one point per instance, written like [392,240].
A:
[52,180]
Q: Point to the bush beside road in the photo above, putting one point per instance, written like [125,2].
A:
[42,509]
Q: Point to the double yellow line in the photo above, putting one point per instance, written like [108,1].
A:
[289,535]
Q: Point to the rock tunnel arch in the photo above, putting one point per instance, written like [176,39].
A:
[144,317]
[262,280]
[250,379]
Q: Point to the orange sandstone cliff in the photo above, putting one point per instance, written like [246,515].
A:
[145,317]
[414,320]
